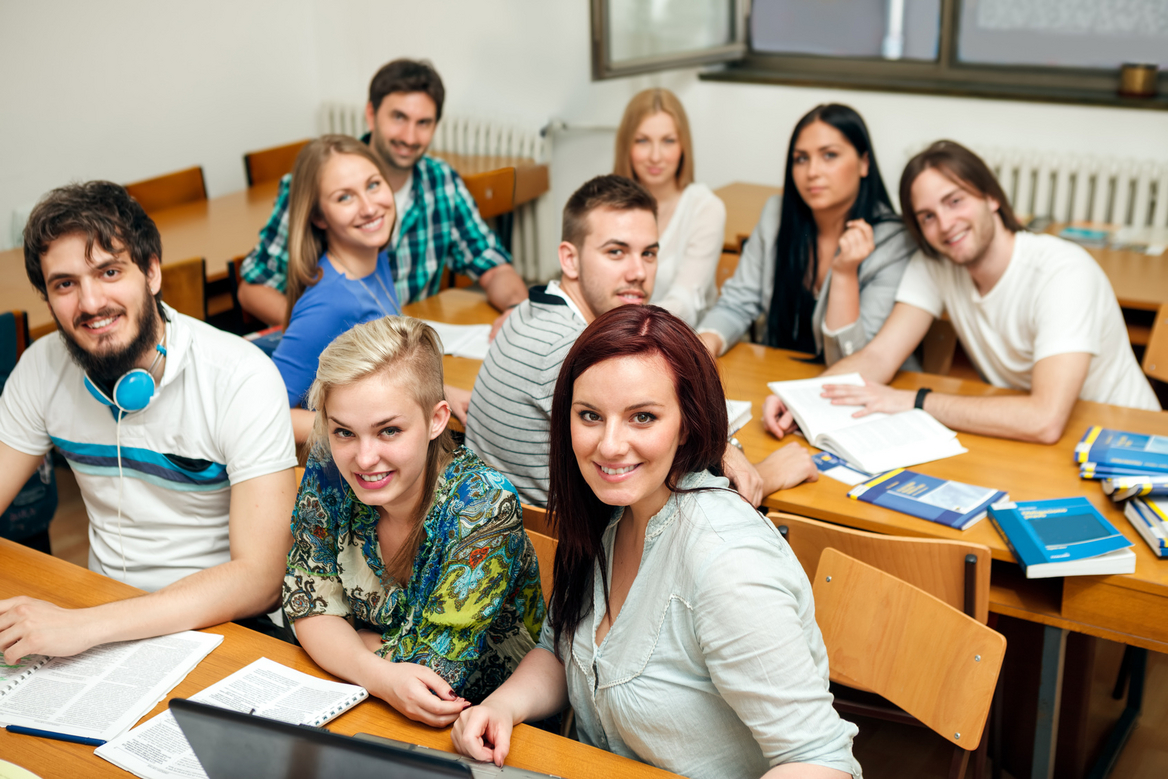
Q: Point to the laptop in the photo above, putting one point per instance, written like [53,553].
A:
[231,744]
[478,770]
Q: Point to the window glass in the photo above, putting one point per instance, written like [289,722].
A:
[888,29]
[639,29]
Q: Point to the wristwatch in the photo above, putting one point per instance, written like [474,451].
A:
[920,401]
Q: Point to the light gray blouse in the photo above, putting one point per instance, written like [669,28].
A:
[715,666]
[747,294]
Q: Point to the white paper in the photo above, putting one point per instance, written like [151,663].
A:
[157,749]
[818,415]
[102,692]
[739,414]
[846,475]
[471,341]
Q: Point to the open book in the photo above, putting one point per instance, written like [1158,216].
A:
[157,749]
[103,691]
[874,443]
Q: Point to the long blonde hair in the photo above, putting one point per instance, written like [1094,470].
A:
[643,105]
[410,351]
[306,241]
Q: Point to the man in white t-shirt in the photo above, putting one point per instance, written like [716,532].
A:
[178,434]
[1034,313]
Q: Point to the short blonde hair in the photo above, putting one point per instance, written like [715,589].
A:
[306,241]
[643,105]
[397,347]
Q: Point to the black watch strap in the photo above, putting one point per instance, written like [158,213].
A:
[920,401]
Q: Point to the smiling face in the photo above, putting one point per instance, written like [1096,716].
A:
[958,224]
[402,127]
[379,437]
[104,306]
[626,427]
[618,262]
[656,150]
[355,204]
[826,167]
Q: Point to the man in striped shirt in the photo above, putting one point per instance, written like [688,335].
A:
[438,223]
[608,256]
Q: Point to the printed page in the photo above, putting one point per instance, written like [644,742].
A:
[102,692]
[896,441]
[470,341]
[738,411]
[817,415]
[157,749]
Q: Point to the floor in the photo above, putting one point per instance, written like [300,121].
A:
[885,750]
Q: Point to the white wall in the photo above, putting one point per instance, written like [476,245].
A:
[77,109]
[129,89]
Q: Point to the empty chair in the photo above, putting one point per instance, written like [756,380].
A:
[536,518]
[545,552]
[184,286]
[173,189]
[936,663]
[271,164]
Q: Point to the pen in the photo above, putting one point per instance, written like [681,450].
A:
[91,742]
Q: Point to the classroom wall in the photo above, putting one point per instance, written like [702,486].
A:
[129,89]
[214,80]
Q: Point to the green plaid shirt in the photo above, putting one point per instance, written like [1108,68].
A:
[442,226]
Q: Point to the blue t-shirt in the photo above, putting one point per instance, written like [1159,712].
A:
[326,309]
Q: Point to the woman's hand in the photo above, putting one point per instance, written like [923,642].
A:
[420,694]
[776,417]
[484,733]
[855,245]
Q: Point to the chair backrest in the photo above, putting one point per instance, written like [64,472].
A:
[299,475]
[13,341]
[270,164]
[536,518]
[897,640]
[493,192]
[726,267]
[1156,353]
[173,189]
[545,552]
[957,572]
[184,287]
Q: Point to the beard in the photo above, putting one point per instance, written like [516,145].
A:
[382,148]
[106,368]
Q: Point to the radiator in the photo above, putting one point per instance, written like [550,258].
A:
[1071,187]
[471,135]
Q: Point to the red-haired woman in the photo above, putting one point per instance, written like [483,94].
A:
[681,628]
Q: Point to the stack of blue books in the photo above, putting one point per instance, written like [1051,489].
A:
[1149,516]
[1131,467]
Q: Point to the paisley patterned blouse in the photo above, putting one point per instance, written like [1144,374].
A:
[473,605]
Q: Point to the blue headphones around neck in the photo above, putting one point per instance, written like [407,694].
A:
[133,391]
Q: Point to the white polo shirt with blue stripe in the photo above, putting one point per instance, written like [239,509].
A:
[219,417]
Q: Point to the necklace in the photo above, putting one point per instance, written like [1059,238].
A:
[365,286]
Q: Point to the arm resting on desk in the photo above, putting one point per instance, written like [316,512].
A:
[267,303]
[247,585]
[504,287]
[1039,416]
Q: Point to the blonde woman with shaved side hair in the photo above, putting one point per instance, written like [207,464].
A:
[654,148]
[410,572]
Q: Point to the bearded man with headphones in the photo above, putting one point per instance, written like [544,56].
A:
[178,434]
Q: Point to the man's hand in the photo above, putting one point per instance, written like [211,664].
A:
[497,325]
[873,397]
[713,342]
[420,694]
[787,467]
[35,627]
[855,245]
[459,400]
[777,418]
[742,475]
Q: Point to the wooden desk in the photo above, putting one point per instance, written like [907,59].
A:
[25,572]
[744,203]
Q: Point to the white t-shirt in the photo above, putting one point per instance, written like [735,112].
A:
[403,198]
[219,417]
[688,254]
[1052,299]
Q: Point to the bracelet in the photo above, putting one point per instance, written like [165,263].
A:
[920,401]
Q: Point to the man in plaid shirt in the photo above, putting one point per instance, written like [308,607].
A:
[438,224]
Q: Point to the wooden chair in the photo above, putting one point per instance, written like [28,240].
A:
[244,321]
[184,287]
[299,475]
[1156,354]
[173,189]
[545,552]
[888,636]
[726,267]
[493,192]
[536,518]
[270,164]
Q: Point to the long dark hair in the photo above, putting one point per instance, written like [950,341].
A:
[577,515]
[797,247]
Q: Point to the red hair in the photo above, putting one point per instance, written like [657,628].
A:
[578,516]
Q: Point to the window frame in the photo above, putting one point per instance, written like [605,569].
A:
[947,75]
[603,68]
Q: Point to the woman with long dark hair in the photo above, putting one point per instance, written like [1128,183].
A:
[681,627]
[827,255]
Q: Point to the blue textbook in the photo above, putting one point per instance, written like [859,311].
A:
[1150,518]
[1124,487]
[1116,448]
[1062,537]
[942,501]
